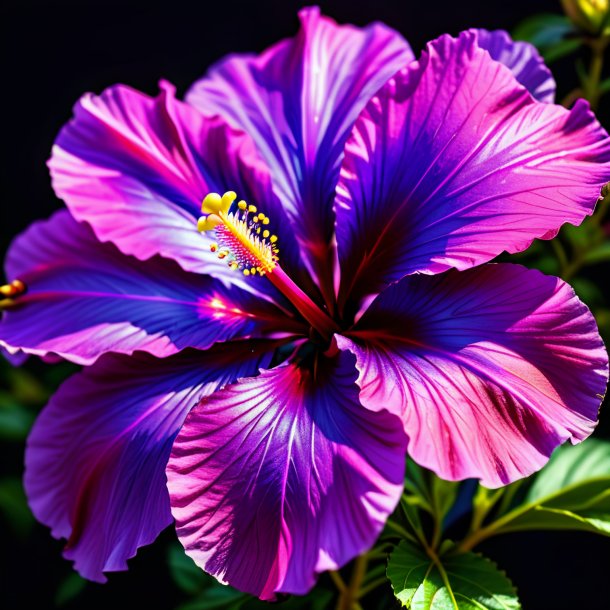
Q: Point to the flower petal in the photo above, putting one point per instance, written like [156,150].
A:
[137,169]
[523,60]
[454,162]
[95,460]
[298,101]
[490,369]
[282,476]
[85,298]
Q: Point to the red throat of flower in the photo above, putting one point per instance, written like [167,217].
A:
[244,240]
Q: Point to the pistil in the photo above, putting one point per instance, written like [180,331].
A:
[244,240]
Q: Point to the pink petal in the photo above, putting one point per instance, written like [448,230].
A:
[454,162]
[95,460]
[298,101]
[85,298]
[137,169]
[279,477]
[490,369]
[523,60]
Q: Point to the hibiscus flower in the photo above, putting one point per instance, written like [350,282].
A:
[260,379]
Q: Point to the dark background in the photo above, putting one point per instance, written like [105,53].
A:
[54,51]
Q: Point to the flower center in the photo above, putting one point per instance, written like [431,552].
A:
[243,239]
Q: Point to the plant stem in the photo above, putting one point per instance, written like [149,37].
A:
[341,586]
[481,510]
[399,529]
[508,496]
[348,599]
[373,585]
[561,255]
[591,86]
[474,538]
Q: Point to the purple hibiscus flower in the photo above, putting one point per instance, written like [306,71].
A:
[267,409]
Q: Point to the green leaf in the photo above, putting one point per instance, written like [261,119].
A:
[542,518]
[185,573]
[217,596]
[584,236]
[599,254]
[570,466]
[602,315]
[457,582]
[546,264]
[72,586]
[15,419]
[26,387]
[560,49]
[553,35]
[604,86]
[14,506]
[443,495]
[588,291]
[571,493]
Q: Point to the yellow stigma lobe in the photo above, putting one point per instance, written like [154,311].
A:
[238,238]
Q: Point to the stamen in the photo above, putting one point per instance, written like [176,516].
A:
[237,235]
[9,292]
[245,246]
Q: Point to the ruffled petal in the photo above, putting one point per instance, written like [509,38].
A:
[454,162]
[279,477]
[298,101]
[523,60]
[96,457]
[137,169]
[85,298]
[490,369]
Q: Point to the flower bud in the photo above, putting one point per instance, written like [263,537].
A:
[589,15]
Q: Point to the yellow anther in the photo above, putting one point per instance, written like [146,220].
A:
[273,239]
[253,271]
[10,292]
[14,289]
[233,265]
[213,247]
[246,271]
[258,231]
[207,223]
[252,209]
[242,205]
[266,220]
[265,233]
[222,254]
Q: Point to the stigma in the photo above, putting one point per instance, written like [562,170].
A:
[242,235]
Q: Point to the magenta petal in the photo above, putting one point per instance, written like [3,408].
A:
[95,460]
[490,369]
[523,60]
[137,168]
[454,162]
[85,298]
[279,477]
[298,101]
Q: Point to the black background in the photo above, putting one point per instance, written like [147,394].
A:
[52,52]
